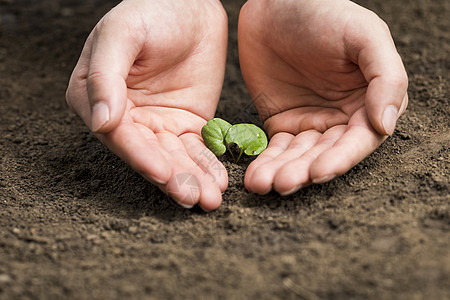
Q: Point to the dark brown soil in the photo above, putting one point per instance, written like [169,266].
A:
[78,223]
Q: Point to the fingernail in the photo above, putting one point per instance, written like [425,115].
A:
[389,119]
[266,191]
[291,191]
[155,180]
[185,205]
[100,116]
[204,209]
[323,179]
[171,200]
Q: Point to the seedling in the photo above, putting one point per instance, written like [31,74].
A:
[219,135]
[214,133]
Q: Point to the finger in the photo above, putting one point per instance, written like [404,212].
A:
[76,94]
[184,186]
[357,143]
[113,51]
[205,159]
[264,176]
[140,148]
[193,150]
[404,104]
[211,174]
[156,118]
[195,186]
[295,174]
[305,118]
[383,69]
[277,145]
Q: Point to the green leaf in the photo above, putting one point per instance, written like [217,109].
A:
[213,134]
[250,139]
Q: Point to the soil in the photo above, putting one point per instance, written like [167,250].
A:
[77,223]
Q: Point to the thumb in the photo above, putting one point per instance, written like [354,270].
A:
[112,54]
[379,61]
[386,96]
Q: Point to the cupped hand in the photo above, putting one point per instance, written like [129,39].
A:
[328,84]
[148,79]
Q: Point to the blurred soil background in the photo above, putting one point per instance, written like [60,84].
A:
[77,223]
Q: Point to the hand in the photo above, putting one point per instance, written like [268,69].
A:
[148,79]
[328,84]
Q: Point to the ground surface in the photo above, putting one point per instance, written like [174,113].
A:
[77,223]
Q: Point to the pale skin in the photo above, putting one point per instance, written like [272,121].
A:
[151,72]
[158,67]
[333,85]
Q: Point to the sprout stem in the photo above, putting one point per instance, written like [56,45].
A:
[229,150]
[242,151]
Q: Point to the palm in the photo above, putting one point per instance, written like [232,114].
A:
[311,95]
[168,91]
[167,112]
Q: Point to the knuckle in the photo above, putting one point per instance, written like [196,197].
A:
[95,77]
[400,81]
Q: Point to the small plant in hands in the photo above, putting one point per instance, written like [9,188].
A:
[219,135]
